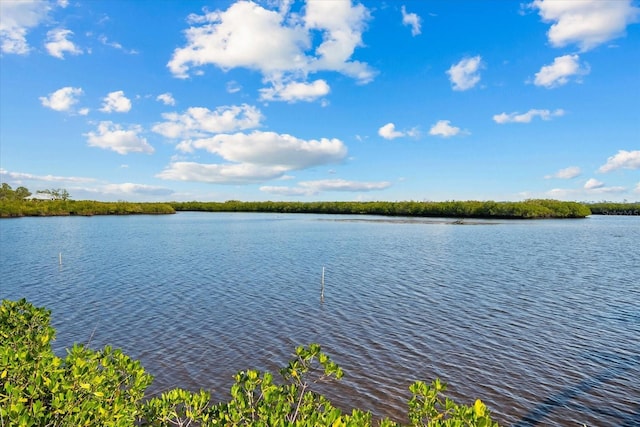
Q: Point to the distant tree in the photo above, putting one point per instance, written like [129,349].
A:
[56,193]
[22,193]
[6,192]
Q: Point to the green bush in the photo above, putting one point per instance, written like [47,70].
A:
[106,388]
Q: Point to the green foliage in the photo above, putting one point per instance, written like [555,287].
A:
[7,193]
[86,388]
[14,203]
[106,388]
[612,208]
[17,208]
[453,209]
[428,407]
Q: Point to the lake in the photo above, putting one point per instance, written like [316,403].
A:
[539,318]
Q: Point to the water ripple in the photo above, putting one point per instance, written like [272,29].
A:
[540,319]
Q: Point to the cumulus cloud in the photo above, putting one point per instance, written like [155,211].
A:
[527,117]
[273,149]
[111,136]
[592,184]
[62,99]
[412,20]
[277,43]
[116,102]
[560,71]
[238,173]
[166,98]
[586,23]
[637,189]
[295,91]
[342,25]
[444,129]
[254,157]
[309,188]
[622,160]
[465,74]
[200,121]
[18,17]
[58,43]
[566,173]
[389,131]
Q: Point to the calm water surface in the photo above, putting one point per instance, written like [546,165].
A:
[540,319]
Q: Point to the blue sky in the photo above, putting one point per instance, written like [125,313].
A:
[322,100]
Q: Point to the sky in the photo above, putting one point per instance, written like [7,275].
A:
[338,100]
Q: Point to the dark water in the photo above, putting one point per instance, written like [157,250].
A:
[540,319]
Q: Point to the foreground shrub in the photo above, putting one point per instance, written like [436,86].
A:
[106,388]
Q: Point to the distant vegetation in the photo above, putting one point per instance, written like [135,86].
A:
[18,202]
[611,208]
[107,388]
[14,208]
[463,209]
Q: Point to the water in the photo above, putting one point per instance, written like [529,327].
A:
[540,319]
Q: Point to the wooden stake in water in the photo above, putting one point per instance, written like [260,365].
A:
[322,287]
[60,258]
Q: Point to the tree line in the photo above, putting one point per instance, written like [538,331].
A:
[57,202]
[538,208]
[18,202]
[613,208]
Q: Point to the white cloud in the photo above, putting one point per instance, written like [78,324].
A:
[527,117]
[595,188]
[239,173]
[116,102]
[389,131]
[166,98]
[58,43]
[566,173]
[558,73]
[21,176]
[199,121]
[622,160]
[412,20]
[295,91]
[233,86]
[443,128]
[341,24]
[273,149]
[18,17]
[279,44]
[592,184]
[587,23]
[111,136]
[309,188]
[132,189]
[105,41]
[465,74]
[637,189]
[63,99]
[254,157]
